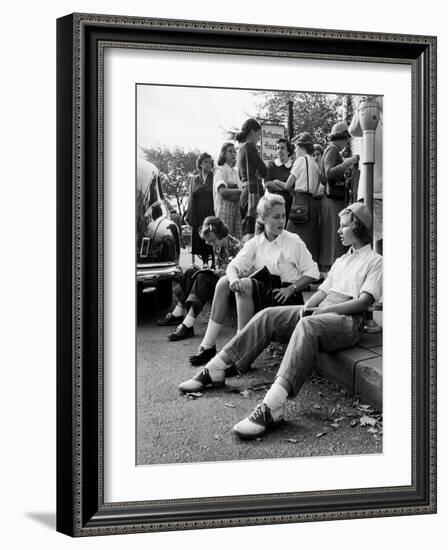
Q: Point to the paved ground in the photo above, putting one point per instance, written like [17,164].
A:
[324,420]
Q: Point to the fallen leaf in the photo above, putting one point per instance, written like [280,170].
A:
[291,440]
[367,421]
[333,411]
[339,419]
[372,431]
[228,404]
[320,434]
[365,407]
[245,393]
[335,425]
[316,406]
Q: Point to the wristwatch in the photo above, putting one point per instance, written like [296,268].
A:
[295,287]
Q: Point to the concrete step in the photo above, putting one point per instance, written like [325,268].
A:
[359,369]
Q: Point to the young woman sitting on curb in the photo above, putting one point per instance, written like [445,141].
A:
[197,286]
[283,253]
[330,320]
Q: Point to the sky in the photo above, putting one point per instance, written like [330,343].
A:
[191,118]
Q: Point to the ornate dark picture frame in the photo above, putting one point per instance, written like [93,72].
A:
[81,509]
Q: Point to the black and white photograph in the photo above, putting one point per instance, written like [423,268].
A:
[259,291]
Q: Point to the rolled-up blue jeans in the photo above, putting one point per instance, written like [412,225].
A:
[306,338]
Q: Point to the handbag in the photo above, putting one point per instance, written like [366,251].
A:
[300,209]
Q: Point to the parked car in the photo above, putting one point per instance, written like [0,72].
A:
[158,239]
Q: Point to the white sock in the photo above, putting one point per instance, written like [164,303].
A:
[189,319]
[211,334]
[216,368]
[179,310]
[276,396]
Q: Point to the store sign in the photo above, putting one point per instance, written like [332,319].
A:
[270,133]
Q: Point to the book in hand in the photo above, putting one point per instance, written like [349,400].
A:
[263,275]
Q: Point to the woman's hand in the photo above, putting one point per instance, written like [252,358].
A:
[307,311]
[235,286]
[281,295]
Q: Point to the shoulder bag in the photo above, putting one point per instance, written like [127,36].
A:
[300,209]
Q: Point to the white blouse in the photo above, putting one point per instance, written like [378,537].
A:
[286,256]
[355,272]
[299,171]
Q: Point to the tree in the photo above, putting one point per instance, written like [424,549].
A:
[314,113]
[178,165]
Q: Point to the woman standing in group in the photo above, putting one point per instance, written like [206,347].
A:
[304,182]
[200,205]
[197,286]
[282,253]
[251,169]
[278,173]
[227,190]
[334,199]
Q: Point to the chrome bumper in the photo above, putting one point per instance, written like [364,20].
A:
[151,275]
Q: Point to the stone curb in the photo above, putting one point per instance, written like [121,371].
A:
[359,369]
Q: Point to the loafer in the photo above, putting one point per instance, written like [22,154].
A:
[169,320]
[202,356]
[181,333]
[200,382]
[261,420]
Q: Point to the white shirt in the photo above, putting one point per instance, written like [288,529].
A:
[299,171]
[355,272]
[286,256]
[224,175]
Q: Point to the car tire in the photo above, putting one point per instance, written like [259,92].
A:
[165,292]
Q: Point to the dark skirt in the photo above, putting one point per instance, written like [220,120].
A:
[308,232]
[263,297]
[196,287]
[331,247]
[198,245]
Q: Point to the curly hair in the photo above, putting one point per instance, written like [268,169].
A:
[201,159]
[213,224]
[288,144]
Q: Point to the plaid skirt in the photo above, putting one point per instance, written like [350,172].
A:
[229,213]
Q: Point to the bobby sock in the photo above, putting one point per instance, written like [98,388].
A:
[211,334]
[216,368]
[276,396]
[189,319]
[179,310]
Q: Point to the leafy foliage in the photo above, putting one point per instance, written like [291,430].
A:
[178,165]
[313,112]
